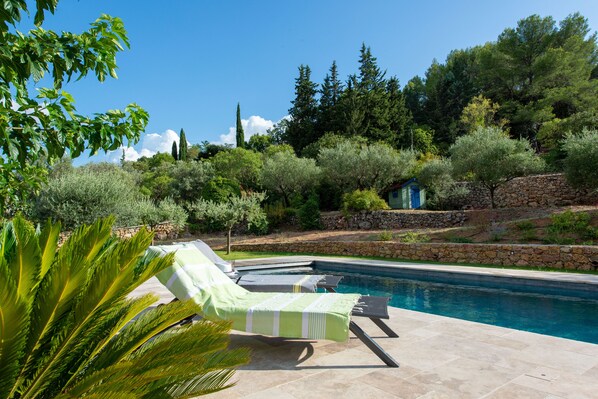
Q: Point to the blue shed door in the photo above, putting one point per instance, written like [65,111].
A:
[415,203]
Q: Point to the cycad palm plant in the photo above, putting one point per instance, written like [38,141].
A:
[67,327]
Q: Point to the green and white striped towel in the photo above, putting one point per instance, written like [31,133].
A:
[290,315]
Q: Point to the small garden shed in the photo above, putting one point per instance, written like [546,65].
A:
[407,195]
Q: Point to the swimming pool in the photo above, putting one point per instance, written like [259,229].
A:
[541,308]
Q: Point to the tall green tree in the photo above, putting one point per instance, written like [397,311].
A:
[174,152]
[539,72]
[300,130]
[240,133]
[329,115]
[182,146]
[374,100]
[399,116]
[41,128]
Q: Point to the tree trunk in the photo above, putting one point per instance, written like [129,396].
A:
[492,197]
[228,241]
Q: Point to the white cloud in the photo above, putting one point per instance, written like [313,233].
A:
[254,125]
[151,144]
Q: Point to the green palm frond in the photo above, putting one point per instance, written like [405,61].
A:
[48,242]
[69,330]
[14,324]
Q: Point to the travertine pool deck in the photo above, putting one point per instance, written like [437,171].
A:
[440,357]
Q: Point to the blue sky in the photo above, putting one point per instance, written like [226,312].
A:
[190,61]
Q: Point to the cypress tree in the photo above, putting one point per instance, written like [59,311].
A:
[183,147]
[240,132]
[174,151]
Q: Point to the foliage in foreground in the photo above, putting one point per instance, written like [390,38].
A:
[581,162]
[43,127]
[67,328]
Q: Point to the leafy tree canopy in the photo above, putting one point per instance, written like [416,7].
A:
[581,159]
[240,165]
[352,166]
[44,126]
[286,174]
[491,158]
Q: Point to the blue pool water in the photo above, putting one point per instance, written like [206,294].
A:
[564,316]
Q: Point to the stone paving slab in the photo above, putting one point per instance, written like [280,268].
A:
[440,357]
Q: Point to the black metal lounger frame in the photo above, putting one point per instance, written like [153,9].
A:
[373,307]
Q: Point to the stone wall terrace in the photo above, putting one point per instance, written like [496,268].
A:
[571,257]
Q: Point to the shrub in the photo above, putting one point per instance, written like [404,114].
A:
[309,214]
[79,196]
[385,236]
[82,195]
[413,238]
[571,223]
[363,200]
[525,225]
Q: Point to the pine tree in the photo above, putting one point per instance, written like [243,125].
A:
[174,151]
[329,115]
[182,147]
[301,128]
[400,118]
[374,100]
[240,132]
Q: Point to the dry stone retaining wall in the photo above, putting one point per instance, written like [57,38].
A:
[530,191]
[572,257]
[392,220]
[162,231]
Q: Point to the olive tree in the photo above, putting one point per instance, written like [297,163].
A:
[581,161]
[490,157]
[436,176]
[286,174]
[40,128]
[231,212]
[353,166]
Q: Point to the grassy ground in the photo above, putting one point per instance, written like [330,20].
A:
[238,255]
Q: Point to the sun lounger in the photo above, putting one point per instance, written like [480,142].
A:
[375,308]
[290,315]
